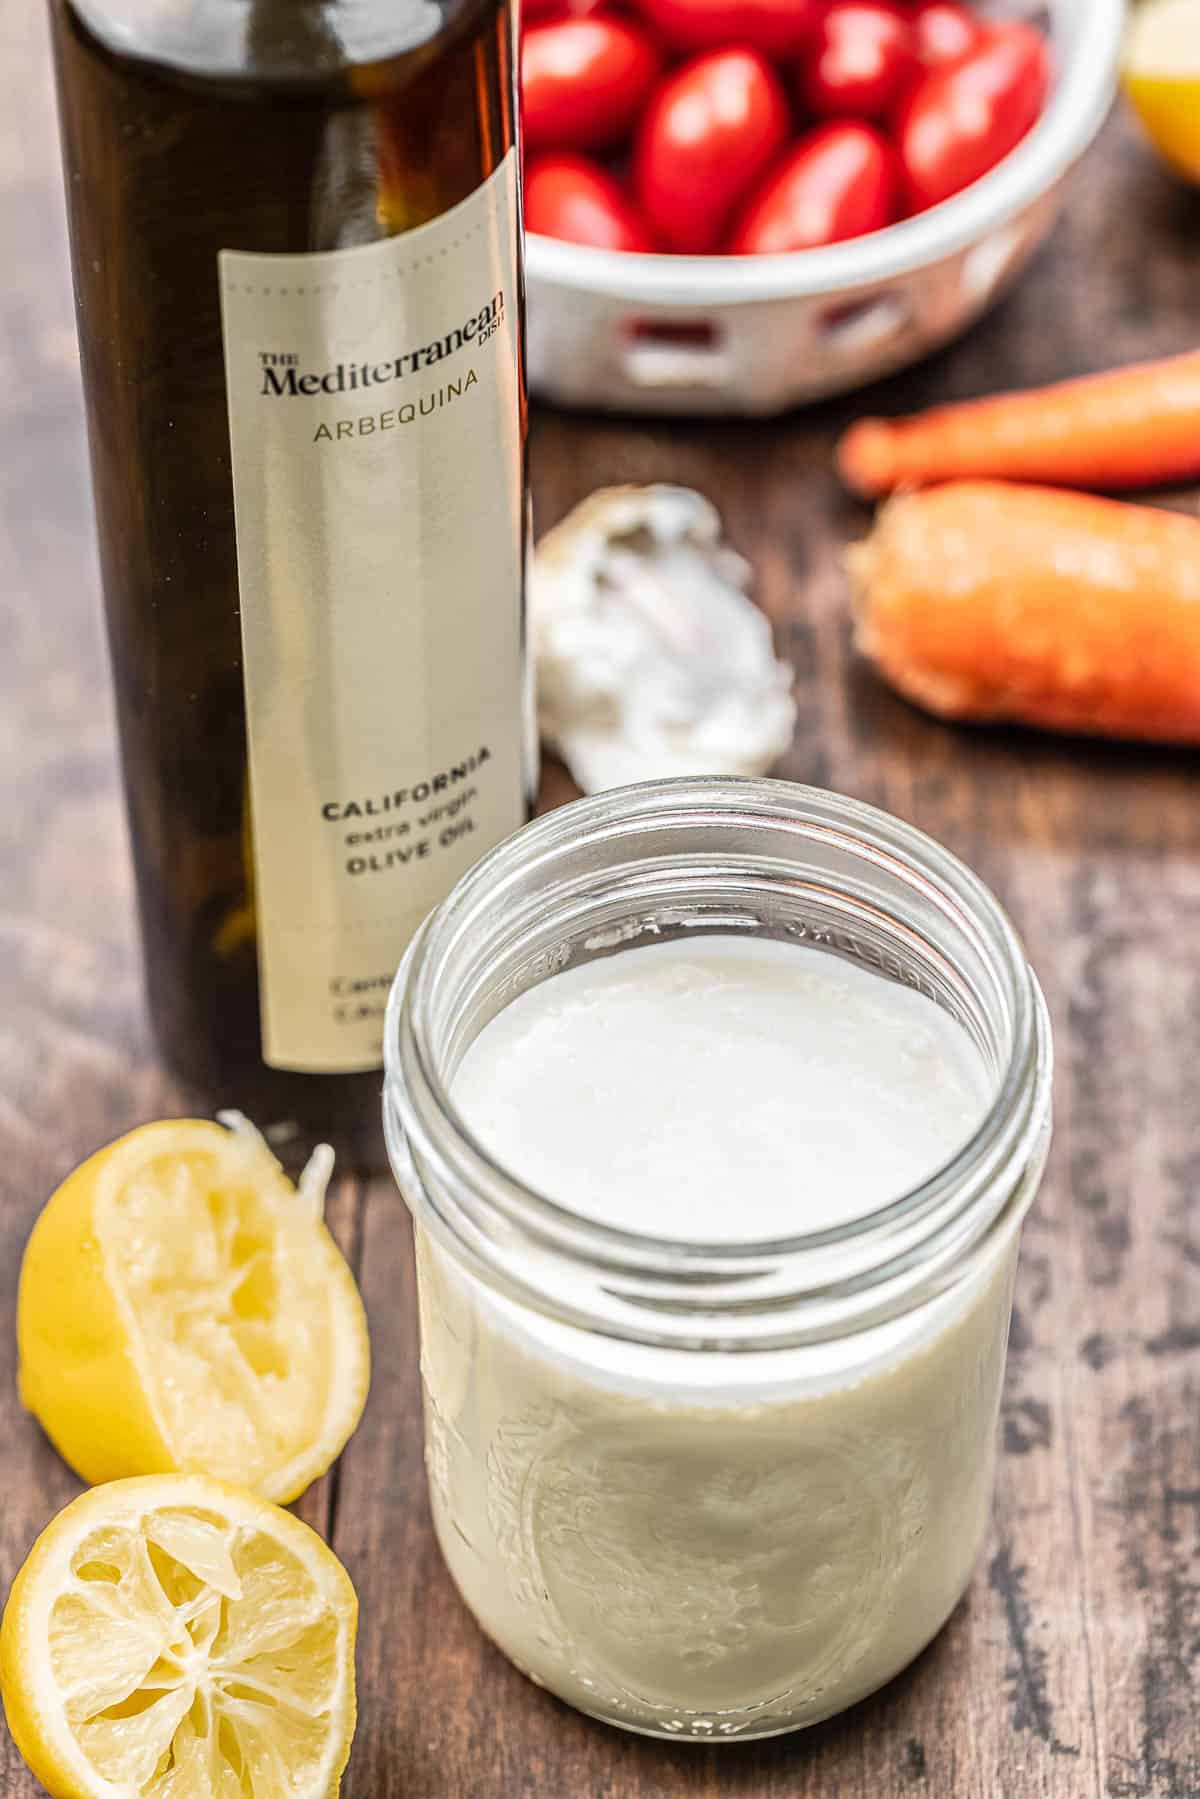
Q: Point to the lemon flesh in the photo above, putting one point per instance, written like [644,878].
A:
[182,1307]
[175,1638]
[1161,76]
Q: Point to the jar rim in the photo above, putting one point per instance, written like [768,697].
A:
[422,1120]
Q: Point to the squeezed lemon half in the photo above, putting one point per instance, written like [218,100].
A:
[175,1638]
[1161,76]
[182,1307]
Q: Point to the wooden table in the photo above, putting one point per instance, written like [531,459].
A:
[1073,1667]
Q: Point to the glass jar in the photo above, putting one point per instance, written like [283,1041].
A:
[713,1491]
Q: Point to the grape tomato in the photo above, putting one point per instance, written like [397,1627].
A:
[573,198]
[862,62]
[711,131]
[841,180]
[584,82]
[557,9]
[965,117]
[944,31]
[777,28]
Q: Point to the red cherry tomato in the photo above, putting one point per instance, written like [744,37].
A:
[963,118]
[945,31]
[776,27]
[838,181]
[570,197]
[557,9]
[711,131]
[584,82]
[862,63]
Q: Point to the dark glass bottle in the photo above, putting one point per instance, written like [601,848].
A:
[273,785]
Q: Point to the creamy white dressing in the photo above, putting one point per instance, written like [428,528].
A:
[740,1089]
[713,1544]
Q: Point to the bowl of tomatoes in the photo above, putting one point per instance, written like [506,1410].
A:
[738,206]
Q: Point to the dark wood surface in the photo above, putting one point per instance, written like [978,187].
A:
[1073,1667]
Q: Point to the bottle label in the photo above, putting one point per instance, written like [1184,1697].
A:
[374,415]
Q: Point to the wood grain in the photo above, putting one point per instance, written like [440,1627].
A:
[1073,1667]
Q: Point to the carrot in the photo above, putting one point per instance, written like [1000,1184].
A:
[1134,427]
[982,600]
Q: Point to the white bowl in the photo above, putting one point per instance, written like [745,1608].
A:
[712,334]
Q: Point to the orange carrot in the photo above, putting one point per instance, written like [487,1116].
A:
[1134,427]
[983,600]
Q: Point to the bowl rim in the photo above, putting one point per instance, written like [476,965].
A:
[1079,105]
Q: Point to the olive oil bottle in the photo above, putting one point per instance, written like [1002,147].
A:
[295,241]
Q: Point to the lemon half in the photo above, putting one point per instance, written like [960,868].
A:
[1161,75]
[183,1308]
[175,1638]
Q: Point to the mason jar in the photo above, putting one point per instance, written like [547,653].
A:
[713,1490]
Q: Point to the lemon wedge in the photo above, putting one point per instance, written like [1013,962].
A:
[1161,76]
[182,1307]
[176,1638]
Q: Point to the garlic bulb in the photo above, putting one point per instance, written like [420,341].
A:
[651,659]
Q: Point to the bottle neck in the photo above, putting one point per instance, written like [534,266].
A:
[262,40]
